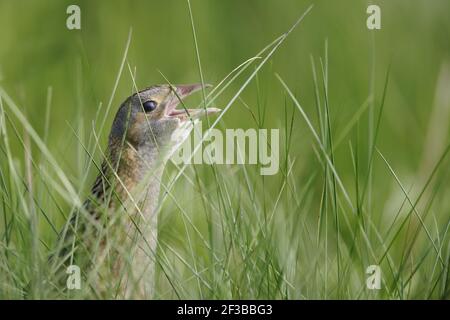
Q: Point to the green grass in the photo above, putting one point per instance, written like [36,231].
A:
[363,180]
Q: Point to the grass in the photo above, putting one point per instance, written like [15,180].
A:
[338,204]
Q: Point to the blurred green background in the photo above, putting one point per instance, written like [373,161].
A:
[37,51]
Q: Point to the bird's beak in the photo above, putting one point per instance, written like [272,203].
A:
[181,92]
[185,90]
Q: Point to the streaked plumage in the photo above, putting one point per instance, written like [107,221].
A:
[113,237]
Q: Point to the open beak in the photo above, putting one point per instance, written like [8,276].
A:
[181,92]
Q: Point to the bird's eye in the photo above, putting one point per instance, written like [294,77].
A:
[150,105]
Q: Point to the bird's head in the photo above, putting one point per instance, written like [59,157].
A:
[150,117]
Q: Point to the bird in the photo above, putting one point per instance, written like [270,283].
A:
[113,237]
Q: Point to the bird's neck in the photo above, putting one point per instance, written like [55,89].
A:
[130,176]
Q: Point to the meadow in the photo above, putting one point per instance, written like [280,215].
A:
[363,117]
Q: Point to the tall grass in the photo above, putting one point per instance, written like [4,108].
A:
[227,232]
